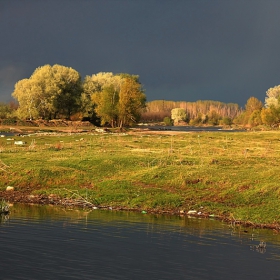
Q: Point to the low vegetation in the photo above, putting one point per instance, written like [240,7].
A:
[233,175]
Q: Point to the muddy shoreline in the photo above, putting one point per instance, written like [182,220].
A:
[26,197]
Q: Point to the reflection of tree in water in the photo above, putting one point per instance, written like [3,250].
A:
[4,210]
[4,217]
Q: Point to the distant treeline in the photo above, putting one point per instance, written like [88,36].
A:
[204,110]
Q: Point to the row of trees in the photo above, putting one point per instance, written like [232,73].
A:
[119,100]
[193,113]
[213,112]
[255,114]
[58,92]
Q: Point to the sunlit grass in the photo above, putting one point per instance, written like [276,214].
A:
[221,173]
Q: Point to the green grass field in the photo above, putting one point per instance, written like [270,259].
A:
[230,174]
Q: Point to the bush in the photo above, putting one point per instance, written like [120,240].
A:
[10,121]
[167,121]
[226,121]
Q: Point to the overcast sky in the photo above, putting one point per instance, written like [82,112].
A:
[183,50]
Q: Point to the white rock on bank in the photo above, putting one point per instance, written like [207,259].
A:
[9,188]
[192,212]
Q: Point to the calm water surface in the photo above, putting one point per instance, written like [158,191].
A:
[193,128]
[39,242]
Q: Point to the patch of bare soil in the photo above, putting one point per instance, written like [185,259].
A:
[25,196]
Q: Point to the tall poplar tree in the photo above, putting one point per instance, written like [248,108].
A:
[132,100]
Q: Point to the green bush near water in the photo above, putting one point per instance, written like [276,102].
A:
[222,173]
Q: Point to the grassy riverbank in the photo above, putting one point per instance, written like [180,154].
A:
[227,174]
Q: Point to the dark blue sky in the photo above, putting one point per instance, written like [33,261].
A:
[183,50]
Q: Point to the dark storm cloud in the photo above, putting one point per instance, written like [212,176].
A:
[182,50]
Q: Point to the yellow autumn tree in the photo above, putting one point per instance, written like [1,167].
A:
[132,100]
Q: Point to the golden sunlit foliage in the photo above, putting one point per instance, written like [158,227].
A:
[118,100]
[51,91]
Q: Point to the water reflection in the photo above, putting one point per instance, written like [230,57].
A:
[4,217]
[51,242]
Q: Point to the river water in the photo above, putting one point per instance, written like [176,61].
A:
[44,242]
[191,128]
